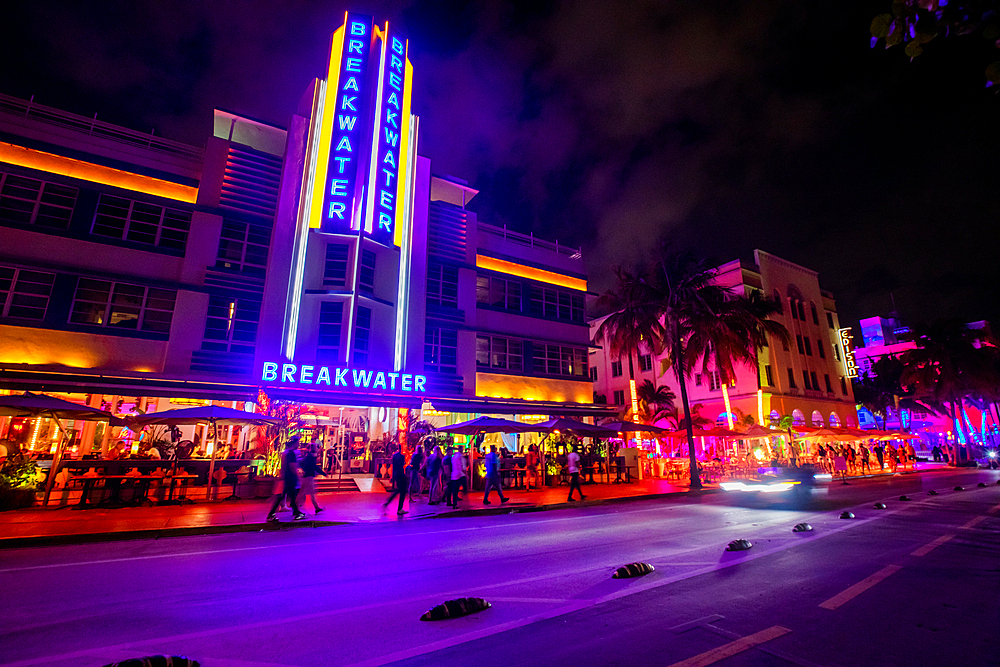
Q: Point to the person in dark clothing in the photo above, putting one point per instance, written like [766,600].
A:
[310,468]
[492,463]
[416,472]
[880,455]
[290,479]
[399,479]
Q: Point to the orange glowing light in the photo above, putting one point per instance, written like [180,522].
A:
[530,272]
[95,173]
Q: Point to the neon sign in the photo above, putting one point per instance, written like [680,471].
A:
[845,344]
[349,378]
[346,150]
[383,183]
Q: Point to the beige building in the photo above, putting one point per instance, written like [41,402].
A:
[806,379]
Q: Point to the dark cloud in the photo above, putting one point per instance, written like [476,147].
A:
[726,126]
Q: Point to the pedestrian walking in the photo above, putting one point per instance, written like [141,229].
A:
[531,464]
[399,480]
[573,467]
[310,469]
[880,455]
[290,479]
[865,455]
[434,465]
[458,471]
[892,458]
[417,461]
[937,454]
[492,463]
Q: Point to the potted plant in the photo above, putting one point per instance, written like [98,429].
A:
[18,481]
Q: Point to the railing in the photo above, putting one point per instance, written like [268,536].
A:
[530,241]
[14,106]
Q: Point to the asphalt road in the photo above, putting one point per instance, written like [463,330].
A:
[915,584]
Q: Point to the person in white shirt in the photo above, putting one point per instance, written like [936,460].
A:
[573,467]
[458,469]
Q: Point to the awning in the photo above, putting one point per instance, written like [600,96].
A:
[513,406]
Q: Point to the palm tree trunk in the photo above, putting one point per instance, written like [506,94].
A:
[679,372]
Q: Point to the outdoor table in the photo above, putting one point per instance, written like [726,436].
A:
[114,484]
[170,494]
[140,489]
[236,481]
[518,475]
[588,471]
[618,473]
[88,487]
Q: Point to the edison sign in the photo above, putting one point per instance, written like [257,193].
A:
[845,344]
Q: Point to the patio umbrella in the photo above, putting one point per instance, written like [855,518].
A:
[577,428]
[632,427]
[828,435]
[40,405]
[486,425]
[719,432]
[756,432]
[213,414]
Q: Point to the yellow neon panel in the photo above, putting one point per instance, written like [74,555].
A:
[95,173]
[530,272]
[403,177]
[326,131]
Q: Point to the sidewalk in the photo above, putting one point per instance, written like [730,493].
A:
[39,526]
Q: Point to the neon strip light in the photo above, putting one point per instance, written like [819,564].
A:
[635,400]
[729,410]
[404,234]
[760,407]
[326,125]
[95,173]
[408,139]
[530,272]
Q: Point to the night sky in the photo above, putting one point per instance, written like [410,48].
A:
[722,127]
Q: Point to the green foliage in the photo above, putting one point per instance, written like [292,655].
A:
[917,22]
[18,472]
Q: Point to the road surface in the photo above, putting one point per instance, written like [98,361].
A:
[915,584]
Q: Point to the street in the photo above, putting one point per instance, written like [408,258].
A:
[914,584]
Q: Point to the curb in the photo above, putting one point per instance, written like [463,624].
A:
[527,509]
[157,533]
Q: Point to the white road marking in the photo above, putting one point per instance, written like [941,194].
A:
[734,647]
[857,589]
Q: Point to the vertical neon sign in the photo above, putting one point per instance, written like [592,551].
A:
[388,137]
[341,194]
[845,343]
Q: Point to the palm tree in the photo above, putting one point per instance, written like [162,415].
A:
[943,367]
[655,402]
[634,322]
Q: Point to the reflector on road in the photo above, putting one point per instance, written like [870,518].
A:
[881,506]
[455,608]
[632,570]
[802,528]
[904,498]
[960,488]
[932,492]
[981,485]
[847,515]
[739,545]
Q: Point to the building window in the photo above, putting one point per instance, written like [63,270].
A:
[331,316]
[836,352]
[619,396]
[798,341]
[768,376]
[442,285]
[812,307]
[593,373]
[122,306]
[697,379]
[843,386]
[802,311]
[791,307]
[28,201]
[556,304]
[499,352]
[645,362]
[791,378]
[243,247]
[499,293]
[829,320]
[809,347]
[560,360]
[24,294]
[820,349]
[141,222]
[714,381]
[805,380]
[616,369]
[441,350]
[362,332]
[231,325]
[815,382]
[335,269]
[829,387]
[784,344]
[778,302]
[366,275]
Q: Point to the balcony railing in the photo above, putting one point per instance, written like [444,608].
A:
[530,241]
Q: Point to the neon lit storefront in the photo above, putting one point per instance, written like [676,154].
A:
[323,263]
